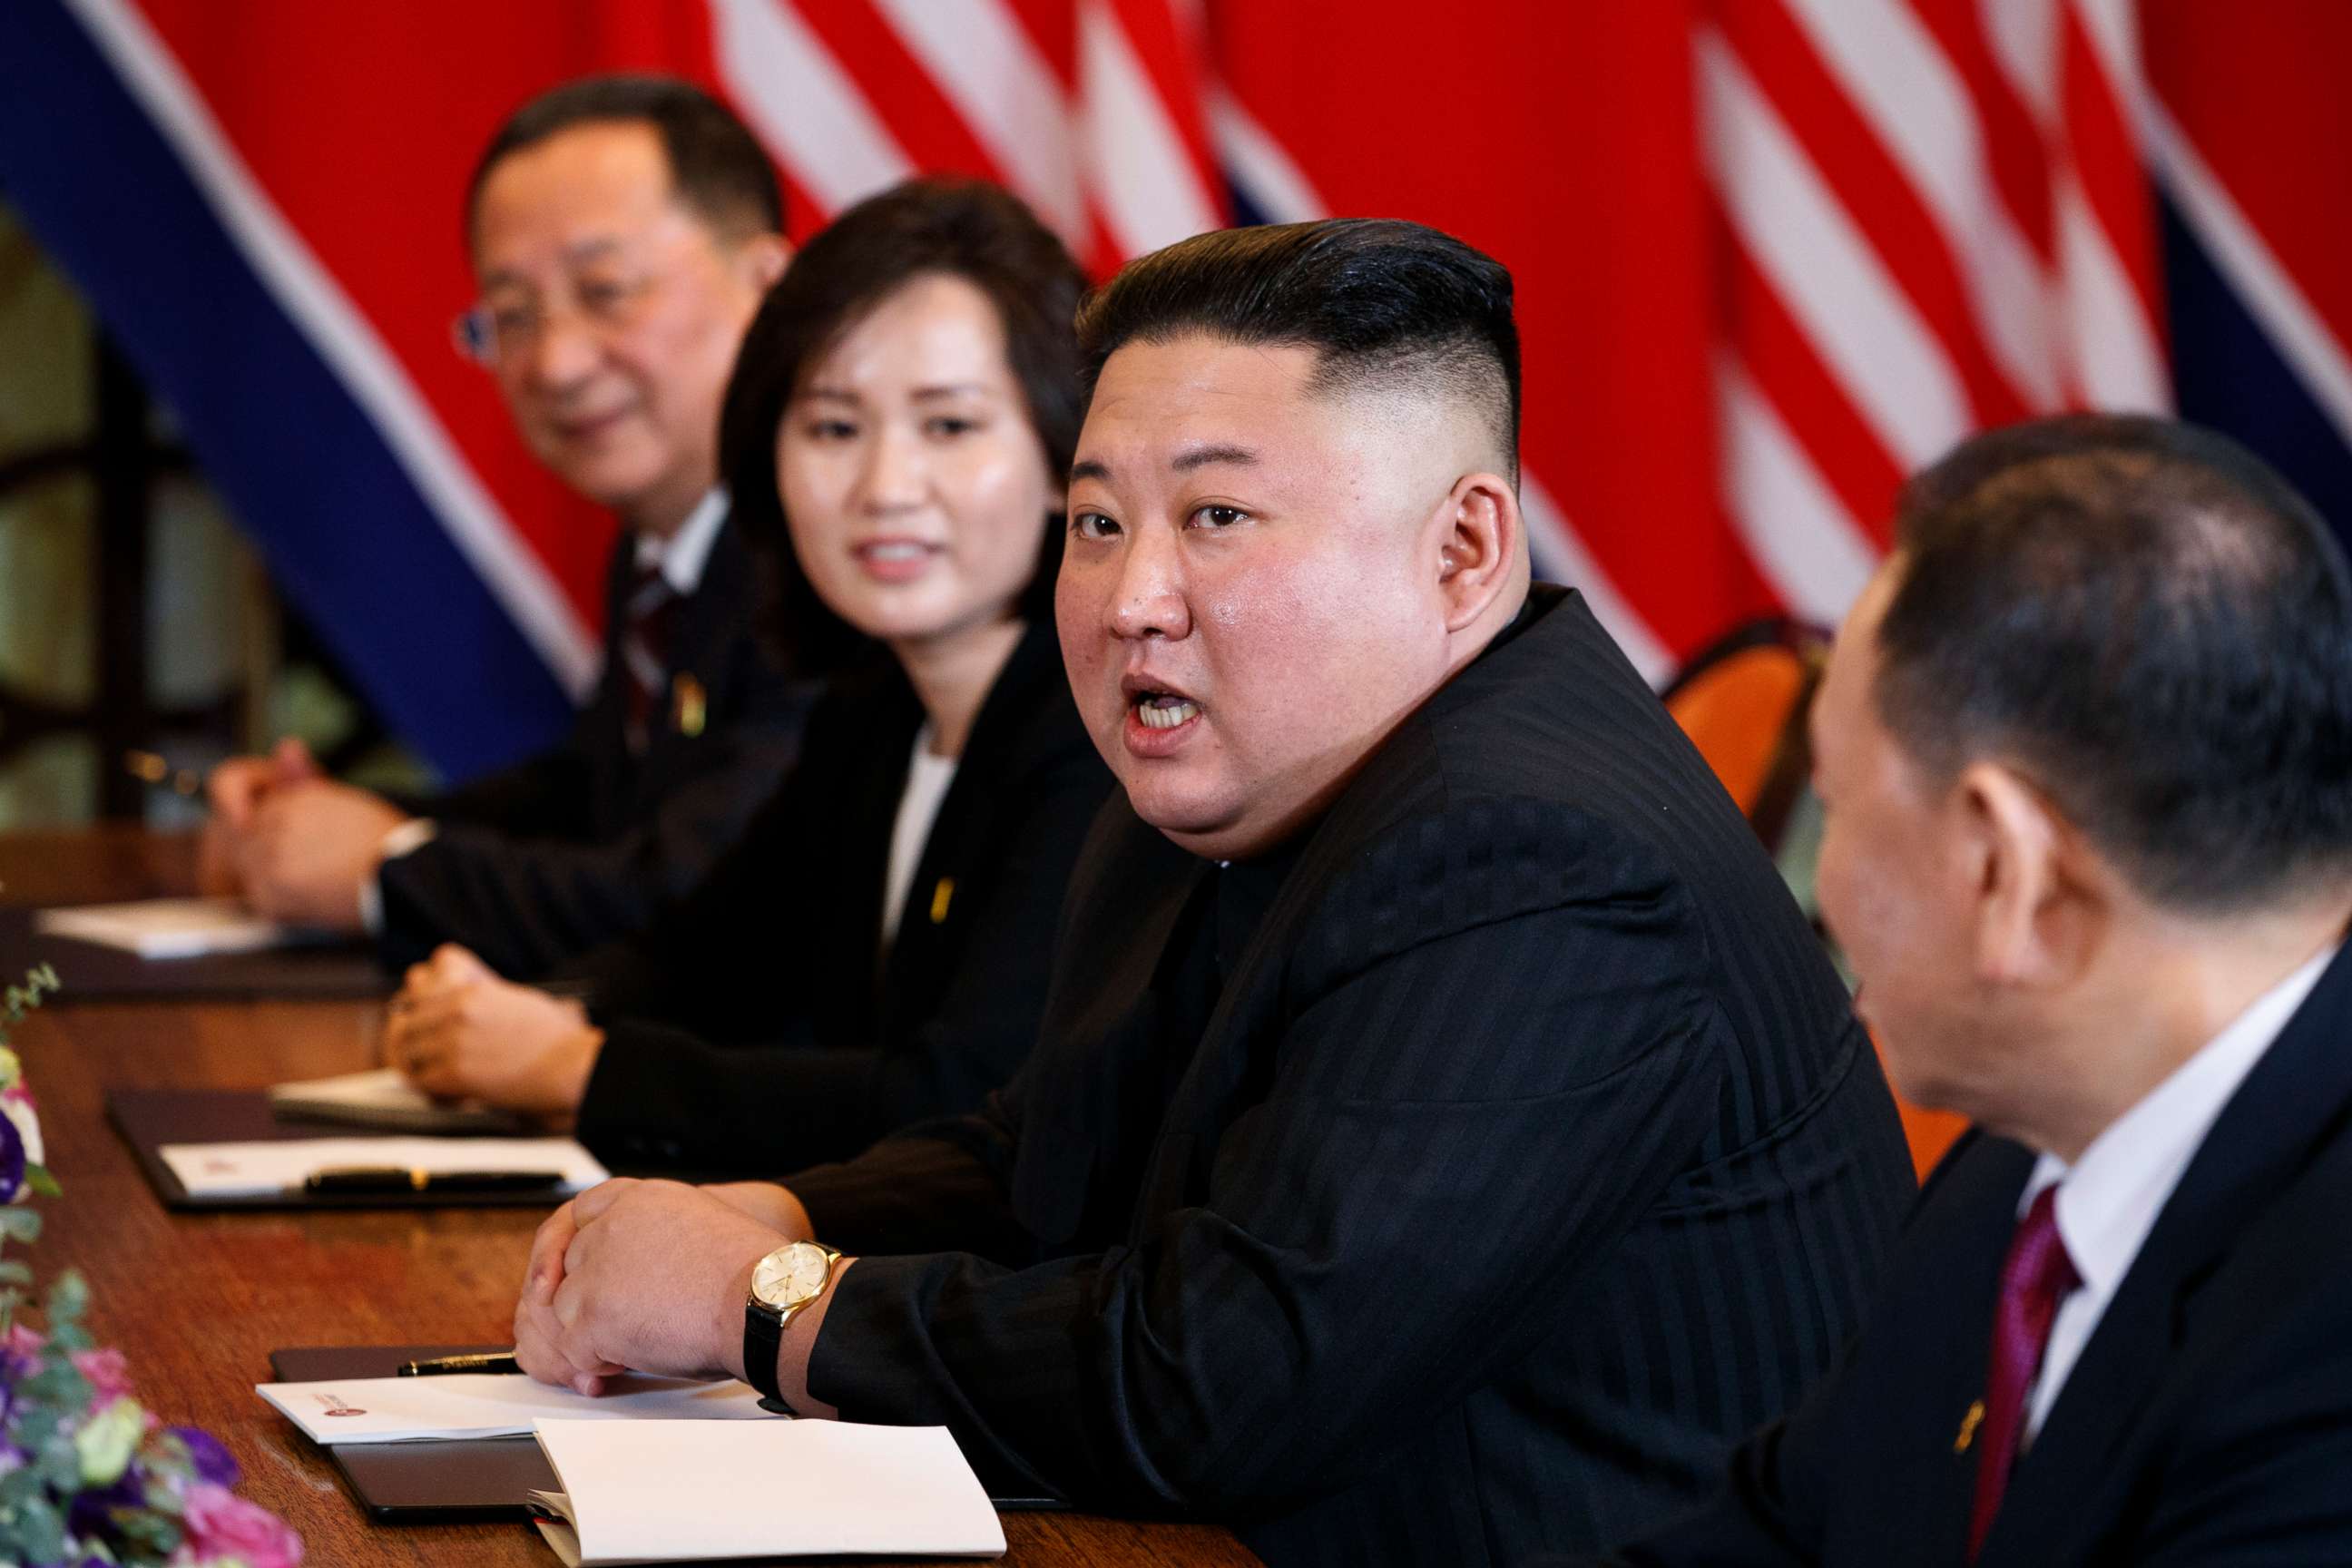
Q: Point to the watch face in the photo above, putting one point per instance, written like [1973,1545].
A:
[790,1275]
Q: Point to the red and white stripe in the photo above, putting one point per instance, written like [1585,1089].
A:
[1938,221]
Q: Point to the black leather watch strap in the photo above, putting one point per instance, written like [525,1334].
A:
[764,1342]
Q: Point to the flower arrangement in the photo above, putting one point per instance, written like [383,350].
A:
[88,1476]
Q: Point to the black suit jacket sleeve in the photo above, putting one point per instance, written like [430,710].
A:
[783,1103]
[1502,1001]
[525,903]
[586,842]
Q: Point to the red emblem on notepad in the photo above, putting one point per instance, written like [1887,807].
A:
[336,1407]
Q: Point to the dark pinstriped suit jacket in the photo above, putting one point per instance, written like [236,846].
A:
[1531,1154]
[2208,1422]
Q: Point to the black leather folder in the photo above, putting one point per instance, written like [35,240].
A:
[93,972]
[150,1118]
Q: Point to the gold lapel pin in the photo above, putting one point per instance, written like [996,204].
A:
[1968,1425]
[940,896]
[690,704]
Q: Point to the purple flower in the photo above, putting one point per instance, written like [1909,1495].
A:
[213,1462]
[20,1353]
[11,1160]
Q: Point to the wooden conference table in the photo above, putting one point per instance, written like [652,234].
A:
[197,1302]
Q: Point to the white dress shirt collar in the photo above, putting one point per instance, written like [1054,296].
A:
[2109,1199]
[683,555]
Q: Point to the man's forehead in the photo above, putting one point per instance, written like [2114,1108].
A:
[1189,402]
[600,185]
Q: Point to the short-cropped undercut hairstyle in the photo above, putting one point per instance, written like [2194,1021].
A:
[1383,302]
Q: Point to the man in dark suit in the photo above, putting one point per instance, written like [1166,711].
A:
[624,229]
[1444,1131]
[2085,747]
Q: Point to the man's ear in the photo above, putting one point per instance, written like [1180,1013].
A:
[2038,912]
[761,259]
[1481,540]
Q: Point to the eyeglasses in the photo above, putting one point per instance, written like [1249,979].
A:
[492,334]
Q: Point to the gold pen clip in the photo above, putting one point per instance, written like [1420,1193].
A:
[941,896]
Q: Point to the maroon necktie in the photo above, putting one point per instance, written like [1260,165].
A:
[2036,1276]
[645,650]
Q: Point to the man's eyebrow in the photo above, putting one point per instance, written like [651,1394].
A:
[1205,456]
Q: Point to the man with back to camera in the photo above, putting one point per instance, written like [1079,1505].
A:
[2085,749]
[1444,1131]
[623,229]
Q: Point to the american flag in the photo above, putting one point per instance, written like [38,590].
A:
[1771,254]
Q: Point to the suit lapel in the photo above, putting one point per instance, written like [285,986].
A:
[697,692]
[2300,1089]
[912,975]
[1974,1203]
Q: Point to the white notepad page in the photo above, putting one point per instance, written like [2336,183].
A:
[494,1405]
[679,1491]
[170,928]
[237,1170]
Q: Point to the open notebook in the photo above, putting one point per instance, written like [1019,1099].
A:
[694,1492]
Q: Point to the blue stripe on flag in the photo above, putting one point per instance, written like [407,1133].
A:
[2231,376]
[347,536]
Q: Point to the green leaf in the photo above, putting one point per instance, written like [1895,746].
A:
[15,1273]
[38,1181]
[19,1224]
[68,1299]
[58,1384]
[157,1533]
[19,1485]
[44,1529]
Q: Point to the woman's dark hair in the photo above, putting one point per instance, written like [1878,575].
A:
[923,228]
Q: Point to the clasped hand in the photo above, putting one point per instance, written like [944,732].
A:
[293,844]
[458,1031]
[648,1276]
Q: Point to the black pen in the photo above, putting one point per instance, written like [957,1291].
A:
[481,1361]
[404,1179]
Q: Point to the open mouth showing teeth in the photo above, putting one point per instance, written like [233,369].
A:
[1158,710]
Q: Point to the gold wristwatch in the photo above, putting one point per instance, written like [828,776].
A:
[782,1284]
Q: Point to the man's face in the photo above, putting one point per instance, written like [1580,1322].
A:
[1898,883]
[1250,597]
[615,317]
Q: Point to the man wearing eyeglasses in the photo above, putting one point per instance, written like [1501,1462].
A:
[624,229]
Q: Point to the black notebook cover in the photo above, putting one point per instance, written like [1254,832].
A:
[150,1118]
[421,1483]
[443,1483]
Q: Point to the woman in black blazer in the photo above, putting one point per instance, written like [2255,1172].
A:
[877,949]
